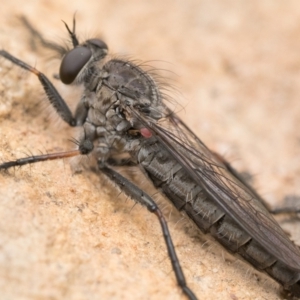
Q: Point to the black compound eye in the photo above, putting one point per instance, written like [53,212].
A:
[72,63]
[98,43]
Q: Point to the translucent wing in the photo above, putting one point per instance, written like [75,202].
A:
[230,193]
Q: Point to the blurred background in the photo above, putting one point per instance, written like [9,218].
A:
[235,68]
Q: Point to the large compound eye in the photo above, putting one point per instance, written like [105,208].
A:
[98,43]
[72,63]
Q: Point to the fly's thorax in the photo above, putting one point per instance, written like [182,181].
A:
[131,81]
[104,113]
[105,123]
[134,87]
[118,85]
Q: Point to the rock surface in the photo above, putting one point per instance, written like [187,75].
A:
[66,235]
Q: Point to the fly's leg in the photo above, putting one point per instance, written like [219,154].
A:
[36,35]
[54,97]
[38,158]
[122,162]
[144,199]
[84,148]
[291,205]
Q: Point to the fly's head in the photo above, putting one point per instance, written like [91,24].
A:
[77,62]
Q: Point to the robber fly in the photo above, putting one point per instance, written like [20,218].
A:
[122,111]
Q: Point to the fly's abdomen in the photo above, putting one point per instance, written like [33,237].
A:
[173,180]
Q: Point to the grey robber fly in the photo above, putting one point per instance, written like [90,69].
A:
[122,111]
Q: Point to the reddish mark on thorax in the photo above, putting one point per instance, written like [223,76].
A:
[145,132]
